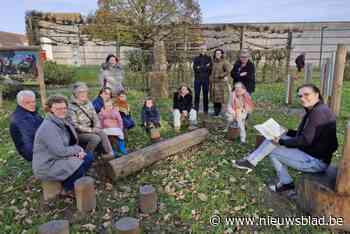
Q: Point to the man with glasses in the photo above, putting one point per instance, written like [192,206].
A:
[24,122]
[244,71]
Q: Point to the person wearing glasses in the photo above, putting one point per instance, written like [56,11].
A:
[57,155]
[307,149]
[244,71]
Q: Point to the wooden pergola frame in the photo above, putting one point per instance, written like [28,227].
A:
[39,66]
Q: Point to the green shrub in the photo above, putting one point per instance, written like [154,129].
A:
[57,74]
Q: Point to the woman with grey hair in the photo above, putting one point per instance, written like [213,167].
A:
[112,74]
[57,155]
[244,71]
[82,115]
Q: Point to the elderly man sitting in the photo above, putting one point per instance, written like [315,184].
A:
[24,123]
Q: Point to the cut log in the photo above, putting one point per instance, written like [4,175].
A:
[140,159]
[85,194]
[51,189]
[54,227]
[343,178]
[148,199]
[126,225]
[317,196]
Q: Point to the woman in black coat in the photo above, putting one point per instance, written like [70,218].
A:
[244,71]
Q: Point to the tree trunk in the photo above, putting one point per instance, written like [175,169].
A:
[145,157]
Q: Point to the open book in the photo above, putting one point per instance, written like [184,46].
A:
[270,129]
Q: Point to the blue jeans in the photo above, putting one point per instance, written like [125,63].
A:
[282,156]
[198,85]
[68,184]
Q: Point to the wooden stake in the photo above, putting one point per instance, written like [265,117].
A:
[54,227]
[338,78]
[127,225]
[343,178]
[41,82]
[85,194]
[148,199]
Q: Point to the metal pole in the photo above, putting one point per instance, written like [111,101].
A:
[321,46]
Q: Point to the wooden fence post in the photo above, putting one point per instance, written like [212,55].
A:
[340,61]
[290,78]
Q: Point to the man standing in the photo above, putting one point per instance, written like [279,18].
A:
[244,71]
[24,122]
[300,62]
[202,66]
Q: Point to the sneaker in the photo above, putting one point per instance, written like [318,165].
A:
[243,164]
[279,187]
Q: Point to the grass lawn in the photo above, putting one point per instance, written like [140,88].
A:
[191,188]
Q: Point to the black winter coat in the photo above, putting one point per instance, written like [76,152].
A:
[316,134]
[23,126]
[202,66]
[249,79]
[182,103]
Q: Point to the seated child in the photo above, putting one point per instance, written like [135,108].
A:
[239,106]
[182,107]
[124,110]
[112,125]
[150,115]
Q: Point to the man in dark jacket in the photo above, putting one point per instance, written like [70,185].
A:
[244,71]
[309,149]
[182,107]
[24,123]
[202,66]
[300,62]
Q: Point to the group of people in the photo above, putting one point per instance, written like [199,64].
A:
[63,146]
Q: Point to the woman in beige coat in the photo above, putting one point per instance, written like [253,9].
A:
[218,80]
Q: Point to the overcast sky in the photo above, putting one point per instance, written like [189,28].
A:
[214,11]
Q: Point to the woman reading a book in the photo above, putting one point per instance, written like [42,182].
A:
[308,149]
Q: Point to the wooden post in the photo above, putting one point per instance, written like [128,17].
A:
[343,177]
[148,199]
[126,225]
[54,227]
[51,189]
[241,44]
[85,194]
[41,82]
[289,89]
[142,158]
[289,77]
[338,78]
[308,73]
[1,98]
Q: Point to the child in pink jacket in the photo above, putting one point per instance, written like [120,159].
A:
[239,106]
[112,125]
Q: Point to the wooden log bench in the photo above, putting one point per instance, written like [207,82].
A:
[328,194]
[142,158]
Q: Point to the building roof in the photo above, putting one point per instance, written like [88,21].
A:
[8,39]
